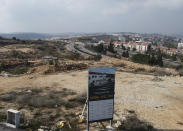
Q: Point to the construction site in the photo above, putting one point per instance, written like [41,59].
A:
[47,84]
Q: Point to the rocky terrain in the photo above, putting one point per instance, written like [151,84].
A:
[57,92]
[156,99]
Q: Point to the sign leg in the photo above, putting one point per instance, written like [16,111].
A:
[110,123]
[88,127]
[110,127]
[88,124]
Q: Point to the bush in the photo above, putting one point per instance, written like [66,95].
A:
[34,125]
[19,70]
[140,58]
[181,58]
[8,97]
[132,123]
[36,90]
[17,54]
[180,72]
[69,105]
[14,38]
[139,70]
[37,101]
[150,59]
[75,56]
[43,101]
[1,67]
[2,117]
[78,99]
[161,73]
[97,57]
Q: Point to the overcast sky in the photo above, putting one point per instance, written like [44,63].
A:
[58,16]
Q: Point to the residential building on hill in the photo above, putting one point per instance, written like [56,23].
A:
[180,45]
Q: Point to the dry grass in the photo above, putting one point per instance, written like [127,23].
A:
[135,67]
[39,102]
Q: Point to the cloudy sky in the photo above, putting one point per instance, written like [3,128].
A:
[58,16]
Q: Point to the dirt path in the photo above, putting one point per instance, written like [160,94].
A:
[157,100]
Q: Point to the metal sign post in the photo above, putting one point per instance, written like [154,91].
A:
[88,124]
[110,123]
[100,95]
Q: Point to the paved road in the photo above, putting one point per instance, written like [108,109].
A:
[83,51]
[71,47]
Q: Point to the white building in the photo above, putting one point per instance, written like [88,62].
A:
[180,45]
[142,46]
[121,38]
[117,44]
[138,45]
[101,42]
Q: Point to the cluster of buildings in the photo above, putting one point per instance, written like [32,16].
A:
[169,51]
[141,43]
[138,46]
[142,47]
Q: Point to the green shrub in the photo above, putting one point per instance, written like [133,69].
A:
[34,125]
[97,57]
[69,105]
[139,70]
[140,58]
[162,73]
[180,71]
[8,97]
[150,59]
[2,117]
[19,70]
[132,123]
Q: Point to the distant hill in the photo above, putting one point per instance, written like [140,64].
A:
[178,35]
[35,36]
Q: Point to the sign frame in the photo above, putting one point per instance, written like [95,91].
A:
[107,93]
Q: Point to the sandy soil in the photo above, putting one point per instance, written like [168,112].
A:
[157,100]
[15,47]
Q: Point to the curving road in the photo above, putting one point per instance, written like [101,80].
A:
[71,48]
[82,50]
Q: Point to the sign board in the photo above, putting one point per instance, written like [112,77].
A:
[13,118]
[101,84]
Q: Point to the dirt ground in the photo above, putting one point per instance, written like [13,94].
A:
[16,47]
[158,100]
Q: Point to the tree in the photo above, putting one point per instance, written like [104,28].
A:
[124,54]
[181,58]
[160,59]
[14,38]
[140,58]
[123,47]
[174,57]
[134,49]
[127,54]
[111,47]
[128,48]
[1,66]
[149,48]
[152,59]
[100,48]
